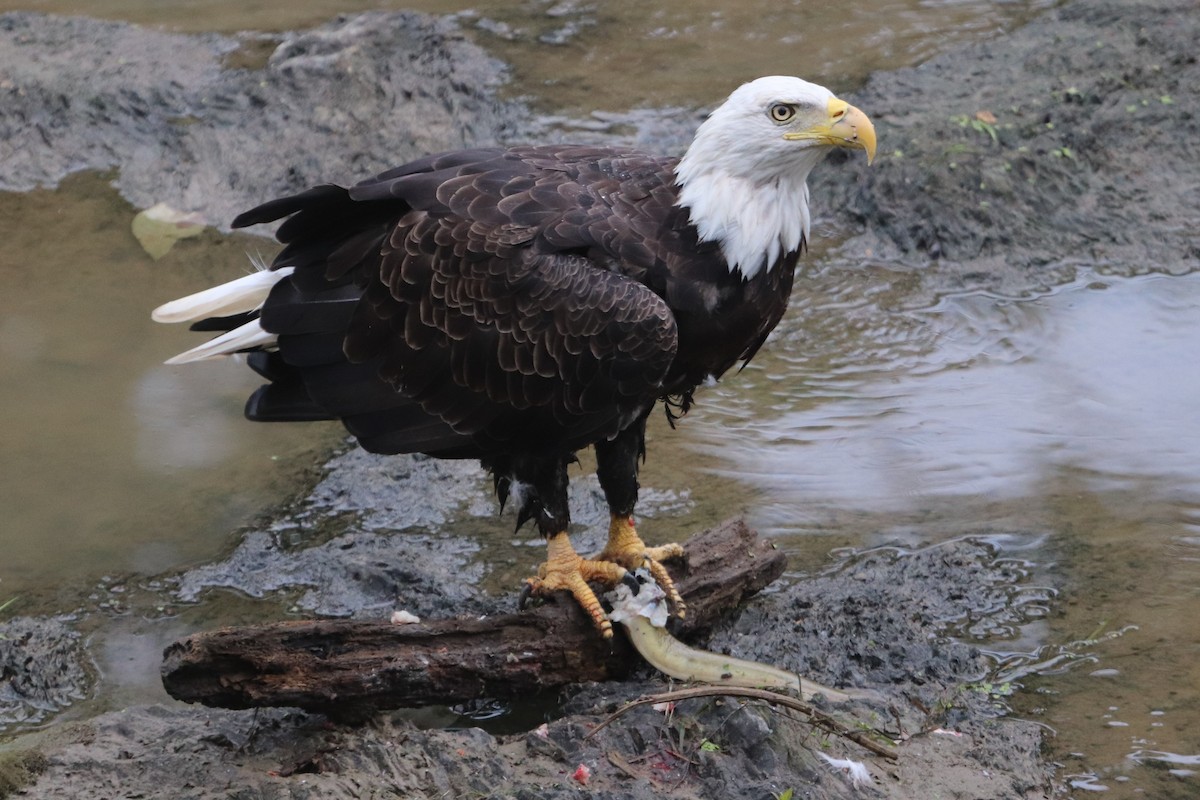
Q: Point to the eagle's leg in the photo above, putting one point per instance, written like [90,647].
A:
[542,485]
[617,468]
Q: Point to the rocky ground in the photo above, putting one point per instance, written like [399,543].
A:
[1003,166]
[872,621]
[1009,163]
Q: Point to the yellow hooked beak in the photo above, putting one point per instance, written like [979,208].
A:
[845,126]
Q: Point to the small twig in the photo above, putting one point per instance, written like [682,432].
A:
[673,753]
[818,718]
[621,763]
[900,734]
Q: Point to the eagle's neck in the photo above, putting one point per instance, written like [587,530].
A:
[756,210]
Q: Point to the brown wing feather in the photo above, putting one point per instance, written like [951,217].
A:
[505,344]
[480,302]
[488,298]
[525,297]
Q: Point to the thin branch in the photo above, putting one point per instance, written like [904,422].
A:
[819,718]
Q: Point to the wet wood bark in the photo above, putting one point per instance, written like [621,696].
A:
[347,668]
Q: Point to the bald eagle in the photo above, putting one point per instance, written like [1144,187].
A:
[516,305]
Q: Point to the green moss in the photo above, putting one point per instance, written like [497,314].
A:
[19,769]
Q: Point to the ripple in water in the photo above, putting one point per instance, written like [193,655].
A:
[978,395]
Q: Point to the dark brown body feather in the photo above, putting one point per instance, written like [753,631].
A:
[509,305]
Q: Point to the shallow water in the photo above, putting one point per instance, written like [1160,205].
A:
[977,397]
[564,55]
[1062,427]
[113,463]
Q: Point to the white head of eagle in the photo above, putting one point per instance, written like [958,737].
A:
[744,177]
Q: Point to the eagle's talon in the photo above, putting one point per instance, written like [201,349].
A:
[666,552]
[625,547]
[663,579]
[565,570]
[525,596]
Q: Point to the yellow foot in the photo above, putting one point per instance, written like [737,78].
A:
[626,548]
[566,570]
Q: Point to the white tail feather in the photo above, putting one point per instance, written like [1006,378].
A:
[236,297]
[249,335]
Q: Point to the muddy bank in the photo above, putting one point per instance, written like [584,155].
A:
[1093,136]
[1005,165]
[841,625]
[85,94]
[896,621]
[44,669]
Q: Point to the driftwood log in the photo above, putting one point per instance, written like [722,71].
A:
[350,667]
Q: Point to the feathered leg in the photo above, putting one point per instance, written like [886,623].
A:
[539,487]
[617,468]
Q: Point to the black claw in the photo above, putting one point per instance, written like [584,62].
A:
[523,598]
[630,580]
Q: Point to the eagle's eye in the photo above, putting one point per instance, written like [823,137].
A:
[782,112]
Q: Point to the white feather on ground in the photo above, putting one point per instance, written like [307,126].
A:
[855,771]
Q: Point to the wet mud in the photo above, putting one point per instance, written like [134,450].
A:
[1005,165]
[350,98]
[869,620]
[44,668]
[1009,163]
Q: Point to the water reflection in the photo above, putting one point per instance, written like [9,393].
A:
[978,396]
[177,425]
[1062,426]
[109,461]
